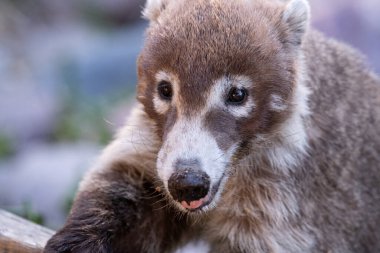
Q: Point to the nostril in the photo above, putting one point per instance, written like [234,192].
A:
[189,185]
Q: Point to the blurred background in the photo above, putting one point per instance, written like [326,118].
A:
[67,82]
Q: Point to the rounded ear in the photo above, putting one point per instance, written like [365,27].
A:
[297,16]
[153,9]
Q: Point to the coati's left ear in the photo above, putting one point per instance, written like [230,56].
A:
[153,9]
[296,16]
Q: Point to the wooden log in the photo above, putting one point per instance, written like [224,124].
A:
[21,236]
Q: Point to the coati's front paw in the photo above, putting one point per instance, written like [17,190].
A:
[75,241]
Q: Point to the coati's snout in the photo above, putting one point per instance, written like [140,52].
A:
[191,163]
[189,184]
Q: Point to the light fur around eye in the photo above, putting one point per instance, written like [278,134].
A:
[164,92]
[221,90]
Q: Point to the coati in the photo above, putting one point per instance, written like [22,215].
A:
[252,132]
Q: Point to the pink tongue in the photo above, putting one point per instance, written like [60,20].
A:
[193,204]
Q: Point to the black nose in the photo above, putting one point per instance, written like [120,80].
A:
[188,182]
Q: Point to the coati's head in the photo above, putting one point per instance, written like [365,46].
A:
[218,77]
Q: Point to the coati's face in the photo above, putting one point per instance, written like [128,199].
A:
[214,76]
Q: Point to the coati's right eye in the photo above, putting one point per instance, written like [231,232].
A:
[237,96]
[165,90]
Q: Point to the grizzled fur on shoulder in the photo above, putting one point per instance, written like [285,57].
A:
[252,133]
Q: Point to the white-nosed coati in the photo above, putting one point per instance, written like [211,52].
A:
[252,132]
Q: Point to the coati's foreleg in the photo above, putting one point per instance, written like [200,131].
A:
[119,213]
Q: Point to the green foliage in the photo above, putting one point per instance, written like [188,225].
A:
[69,200]
[6,147]
[83,122]
[27,212]
[83,117]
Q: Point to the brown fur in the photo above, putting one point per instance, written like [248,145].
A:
[204,63]
[324,200]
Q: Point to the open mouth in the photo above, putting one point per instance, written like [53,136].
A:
[198,205]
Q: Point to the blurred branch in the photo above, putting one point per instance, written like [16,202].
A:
[21,236]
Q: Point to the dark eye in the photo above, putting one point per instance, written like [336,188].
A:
[165,91]
[237,96]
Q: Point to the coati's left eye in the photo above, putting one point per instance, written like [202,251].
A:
[237,96]
[165,90]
